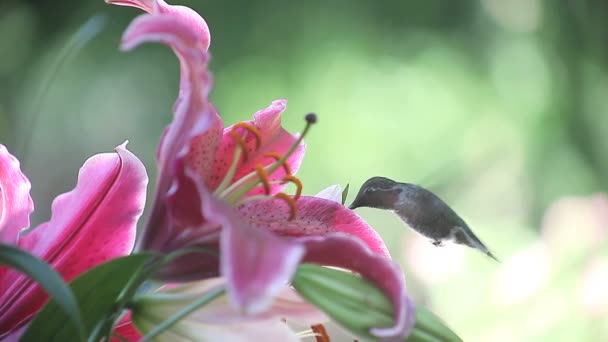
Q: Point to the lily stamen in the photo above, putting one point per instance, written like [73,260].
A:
[320,333]
[290,202]
[263,176]
[277,157]
[238,139]
[234,192]
[297,182]
[251,128]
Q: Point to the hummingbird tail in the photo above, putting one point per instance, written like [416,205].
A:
[488,253]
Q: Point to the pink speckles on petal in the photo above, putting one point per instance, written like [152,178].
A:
[15,201]
[255,263]
[203,149]
[91,224]
[314,216]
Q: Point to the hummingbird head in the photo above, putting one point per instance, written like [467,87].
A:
[377,192]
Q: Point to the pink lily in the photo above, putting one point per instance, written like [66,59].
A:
[223,186]
[89,225]
[217,321]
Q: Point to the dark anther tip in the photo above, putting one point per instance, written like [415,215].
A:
[311,118]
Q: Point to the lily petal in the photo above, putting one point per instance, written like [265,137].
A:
[255,263]
[314,216]
[185,14]
[93,223]
[274,138]
[15,202]
[194,118]
[286,305]
[341,250]
[332,193]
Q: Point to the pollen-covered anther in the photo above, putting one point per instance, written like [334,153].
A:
[277,157]
[321,334]
[297,182]
[250,128]
[290,202]
[263,176]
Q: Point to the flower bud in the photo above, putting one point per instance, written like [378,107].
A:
[358,306]
[352,302]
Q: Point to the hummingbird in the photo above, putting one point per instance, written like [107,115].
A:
[419,208]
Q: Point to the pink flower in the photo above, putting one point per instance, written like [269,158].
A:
[222,188]
[91,224]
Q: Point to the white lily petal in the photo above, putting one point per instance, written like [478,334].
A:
[332,193]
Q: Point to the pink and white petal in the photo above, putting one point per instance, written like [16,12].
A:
[287,305]
[185,14]
[332,193]
[193,118]
[255,263]
[274,139]
[271,330]
[93,223]
[191,330]
[314,216]
[344,251]
[15,202]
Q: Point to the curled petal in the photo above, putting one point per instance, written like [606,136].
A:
[15,201]
[194,119]
[93,223]
[341,250]
[255,263]
[183,13]
[274,138]
[314,216]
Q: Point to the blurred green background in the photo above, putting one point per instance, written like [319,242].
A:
[498,106]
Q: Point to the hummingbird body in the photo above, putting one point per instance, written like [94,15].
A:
[421,209]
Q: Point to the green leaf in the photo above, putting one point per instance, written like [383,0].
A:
[49,280]
[98,292]
[345,193]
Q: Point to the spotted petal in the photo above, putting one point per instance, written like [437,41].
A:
[93,223]
[314,216]
[344,251]
[274,138]
[255,263]
[15,201]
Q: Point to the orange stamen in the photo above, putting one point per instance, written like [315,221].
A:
[290,202]
[277,157]
[259,169]
[251,128]
[239,141]
[320,333]
[297,182]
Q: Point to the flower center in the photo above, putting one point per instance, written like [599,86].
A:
[235,192]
